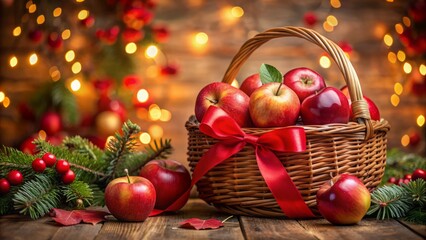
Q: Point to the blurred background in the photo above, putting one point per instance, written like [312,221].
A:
[83,67]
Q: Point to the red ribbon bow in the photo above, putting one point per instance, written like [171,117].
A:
[219,125]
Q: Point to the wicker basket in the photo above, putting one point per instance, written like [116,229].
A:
[359,148]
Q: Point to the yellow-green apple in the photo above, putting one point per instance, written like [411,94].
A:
[372,107]
[130,198]
[250,84]
[274,105]
[329,105]
[304,82]
[170,179]
[232,100]
[343,200]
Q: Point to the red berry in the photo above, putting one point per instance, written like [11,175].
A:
[49,159]
[38,165]
[419,173]
[62,166]
[399,181]
[392,180]
[68,177]
[15,177]
[407,176]
[4,186]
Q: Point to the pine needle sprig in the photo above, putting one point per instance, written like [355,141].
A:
[83,146]
[389,202]
[37,197]
[11,158]
[157,150]
[416,216]
[416,192]
[119,147]
[77,193]
[84,166]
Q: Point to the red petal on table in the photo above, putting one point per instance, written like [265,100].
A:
[65,217]
[199,224]
[68,218]
[92,216]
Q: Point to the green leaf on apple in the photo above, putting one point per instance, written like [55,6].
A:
[269,73]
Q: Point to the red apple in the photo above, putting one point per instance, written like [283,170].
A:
[343,200]
[232,100]
[130,198]
[304,82]
[327,106]
[374,110]
[250,84]
[419,173]
[170,179]
[274,105]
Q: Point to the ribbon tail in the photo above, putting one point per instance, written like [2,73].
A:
[214,156]
[281,186]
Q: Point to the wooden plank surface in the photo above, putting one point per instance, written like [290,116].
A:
[16,227]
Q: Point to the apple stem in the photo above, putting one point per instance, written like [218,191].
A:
[278,90]
[127,174]
[211,100]
[226,219]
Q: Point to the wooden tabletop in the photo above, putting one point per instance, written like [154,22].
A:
[166,227]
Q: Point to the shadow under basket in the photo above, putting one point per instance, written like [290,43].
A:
[236,186]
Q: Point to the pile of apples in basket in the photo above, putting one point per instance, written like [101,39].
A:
[270,100]
[267,99]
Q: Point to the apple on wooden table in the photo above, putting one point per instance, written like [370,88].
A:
[327,106]
[343,200]
[273,104]
[230,99]
[304,82]
[170,179]
[130,198]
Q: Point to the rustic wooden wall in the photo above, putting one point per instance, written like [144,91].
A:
[362,23]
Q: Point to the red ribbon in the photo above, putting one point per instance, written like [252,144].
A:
[219,125]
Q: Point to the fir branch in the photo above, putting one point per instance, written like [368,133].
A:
[389,202]
[37,197]
[98,195]
[156,150]
[120,147]
[416,216]
[416,192]
[77,191]
[11,158]
[66,102]
[83,146]
[86,169]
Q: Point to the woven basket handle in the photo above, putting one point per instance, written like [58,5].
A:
[359,106]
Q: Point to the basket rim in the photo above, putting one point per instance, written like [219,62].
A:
[359,105]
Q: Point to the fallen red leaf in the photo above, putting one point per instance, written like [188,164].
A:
[200,224]
[73,217]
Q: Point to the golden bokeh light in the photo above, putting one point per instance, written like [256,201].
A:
[75,85]
[395,100]
[83,14]
[392,57]
[69,56]
[420,120]
[156,131]
[405,140]
[399,28]
[406,21]
[332,20]
[6,102]
[2,96]
[42,134]
[325,62]
[388,40]
[13,61]
[145,138]
[154,112]
[32,8]
[131,48]
[422,69]
[166,115]
[151,51]
[66,34]
[407,67]
[237,12]
[142,95]
[55,74]
[335,3]
[57,12]
[398,88]
[201,38]
[17,31]
[33,59]
[76,67]
[401,56]
[41,19]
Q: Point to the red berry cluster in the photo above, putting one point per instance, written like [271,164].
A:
[418,173]
[14,177]
[62,167]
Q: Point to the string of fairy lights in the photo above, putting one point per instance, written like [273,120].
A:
[199,42]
